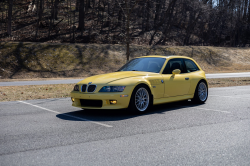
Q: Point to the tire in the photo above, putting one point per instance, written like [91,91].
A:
[201,93]
[141,99]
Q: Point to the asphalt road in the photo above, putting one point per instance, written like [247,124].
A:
[228,75]
[20,83]
[52,132]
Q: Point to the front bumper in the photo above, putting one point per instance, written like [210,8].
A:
[122,99]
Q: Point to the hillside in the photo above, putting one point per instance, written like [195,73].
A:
[42,60]
[151,22]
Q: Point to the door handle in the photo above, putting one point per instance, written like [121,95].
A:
[186,78]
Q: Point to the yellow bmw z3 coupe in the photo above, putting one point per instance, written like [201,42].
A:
[143,82]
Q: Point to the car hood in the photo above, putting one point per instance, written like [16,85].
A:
[110,77]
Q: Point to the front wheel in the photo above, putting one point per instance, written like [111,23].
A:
[140,100]
[201,93]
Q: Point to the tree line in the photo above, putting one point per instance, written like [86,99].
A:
[148,22]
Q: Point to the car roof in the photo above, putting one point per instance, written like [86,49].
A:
[166,56]
[170,57]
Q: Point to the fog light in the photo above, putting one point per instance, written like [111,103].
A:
[112,101]
[72,99]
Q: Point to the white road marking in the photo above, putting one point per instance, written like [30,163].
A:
[102,124]
[231,97]
[207,109]
[212,110]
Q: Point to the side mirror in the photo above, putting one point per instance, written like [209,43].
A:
[176,71]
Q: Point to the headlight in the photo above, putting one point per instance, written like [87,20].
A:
[112,89]
[76,88]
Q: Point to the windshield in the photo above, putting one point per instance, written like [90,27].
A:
[144,64]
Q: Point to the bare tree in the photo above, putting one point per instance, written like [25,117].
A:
[77,4]
[153,22]
[40,10]
[10,16]
[81,16]
[54,11]
[168,16]
[129,7]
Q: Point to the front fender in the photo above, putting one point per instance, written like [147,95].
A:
[153,82]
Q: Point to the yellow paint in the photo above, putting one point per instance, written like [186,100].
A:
[164,87]
[176,85]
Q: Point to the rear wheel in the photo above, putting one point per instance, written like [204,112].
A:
[201,93]
[140,100]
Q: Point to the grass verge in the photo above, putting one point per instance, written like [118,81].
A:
[30,92]
[225,82]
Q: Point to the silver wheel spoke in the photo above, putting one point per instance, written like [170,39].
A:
[141,99]
[202,91]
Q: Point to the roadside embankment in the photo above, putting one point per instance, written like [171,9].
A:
[45,60]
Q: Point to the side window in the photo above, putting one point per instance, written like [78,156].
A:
[190,66]
[174,64]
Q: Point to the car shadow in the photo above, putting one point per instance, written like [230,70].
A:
[117,115]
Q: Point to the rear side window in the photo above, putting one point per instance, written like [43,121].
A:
[190,66]
[174,64]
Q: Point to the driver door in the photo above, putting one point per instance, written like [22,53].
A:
[175,84]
